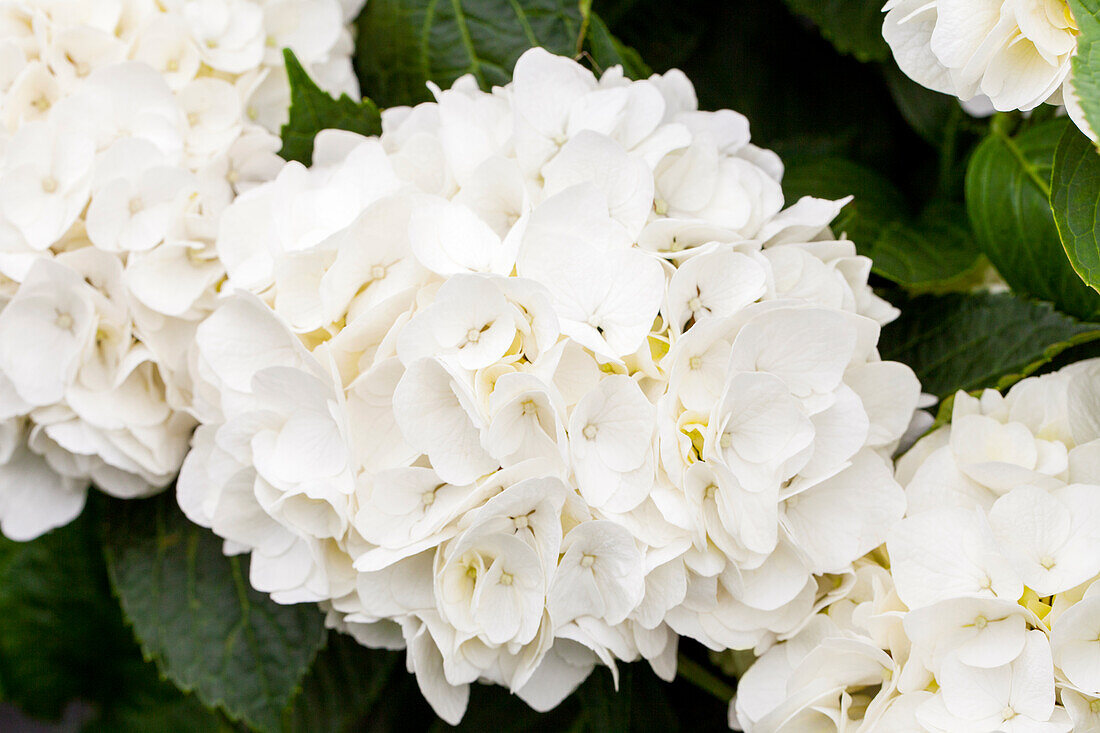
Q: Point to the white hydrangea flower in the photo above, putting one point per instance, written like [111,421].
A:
[986,603]
[125,130]
[560,382]
[999,54]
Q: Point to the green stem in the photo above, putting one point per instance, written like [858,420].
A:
[1002,123]
[703,678]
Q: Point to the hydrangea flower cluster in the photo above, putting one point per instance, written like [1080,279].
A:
[541,379]
[985,616]
[1012,55]
[126,128]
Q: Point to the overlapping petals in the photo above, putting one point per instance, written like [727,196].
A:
[126,128]
[995,54]
[541,379]
[983,612]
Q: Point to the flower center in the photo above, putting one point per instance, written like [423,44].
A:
[981,622]
[1008,713]
[49,184]
[377,272]
[473,335]
[590,431]
[505,578]
[64,321]
[695,362]
[695,304]
[521,521]
[41,104]
[587,561]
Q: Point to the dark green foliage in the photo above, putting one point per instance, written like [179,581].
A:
[312,109]
[195,613]
[1075,199]
[968,342]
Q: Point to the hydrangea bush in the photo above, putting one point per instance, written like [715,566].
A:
[475,419]
[529,369]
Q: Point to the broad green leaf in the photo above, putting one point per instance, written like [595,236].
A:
[876,203]
[608,51]
[928,253]
[935,253]
[312,109]
[1086,64]
[853,26]
[1075,199]
[342,687]
[1007,198]
[194,612]
[403,44]
[981,340]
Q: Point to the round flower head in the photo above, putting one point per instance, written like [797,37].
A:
[544,378]
[126,128]
[986,615]
[1010,54]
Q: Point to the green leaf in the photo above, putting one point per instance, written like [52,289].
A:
[1007,198]
[876,203]
[853,26]
[1075,200]
[194,612]
[403,44]
[935,253]
[608,51]
[312,109]
[981,340]
[925,254]
[343,685]
[1086,64]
